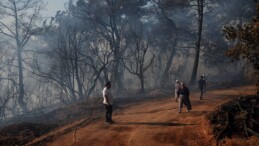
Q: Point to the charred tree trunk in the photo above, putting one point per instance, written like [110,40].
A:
[21,101]
[168,65]
[200,4]
[79,83]
[141,79]
[165,76]
[116,40]
[116,74]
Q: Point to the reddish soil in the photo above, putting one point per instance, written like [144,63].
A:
[152,123]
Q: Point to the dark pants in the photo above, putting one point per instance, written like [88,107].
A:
[184,100]
[108,113]
[202,92]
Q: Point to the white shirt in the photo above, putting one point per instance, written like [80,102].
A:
[107,92]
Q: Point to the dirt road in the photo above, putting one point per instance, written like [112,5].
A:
[154,123]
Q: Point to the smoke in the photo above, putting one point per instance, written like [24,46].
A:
[87,27]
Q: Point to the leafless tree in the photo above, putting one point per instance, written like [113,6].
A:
[65,45]
[107,15]
[137,60]
[19,22]
[8,84]
[76,59]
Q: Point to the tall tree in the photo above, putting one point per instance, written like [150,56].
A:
[200,9]
[109,19]
[76,58]
[19,23]
[169,34]
[214,45]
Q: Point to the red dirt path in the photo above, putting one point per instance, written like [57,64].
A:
[152,123]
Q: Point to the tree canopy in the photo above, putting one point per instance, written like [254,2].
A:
[247,42]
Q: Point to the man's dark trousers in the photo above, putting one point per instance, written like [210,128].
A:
[108,113]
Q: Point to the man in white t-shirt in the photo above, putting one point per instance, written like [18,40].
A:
[107,101]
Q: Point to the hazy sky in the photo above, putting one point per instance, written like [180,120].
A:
[53,6]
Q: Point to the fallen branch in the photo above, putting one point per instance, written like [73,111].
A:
[252,132]
[253,120]
[244,117]
[227,123]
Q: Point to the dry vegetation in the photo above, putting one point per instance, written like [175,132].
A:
[236,122]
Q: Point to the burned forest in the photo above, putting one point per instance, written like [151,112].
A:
[135,60]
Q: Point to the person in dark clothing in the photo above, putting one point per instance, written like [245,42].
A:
[201,87]
[184,93]
[107,101]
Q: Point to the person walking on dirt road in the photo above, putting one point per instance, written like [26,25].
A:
[107,101]
[184,93]
[176,88]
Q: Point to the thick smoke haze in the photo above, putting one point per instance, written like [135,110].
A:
[64,57]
